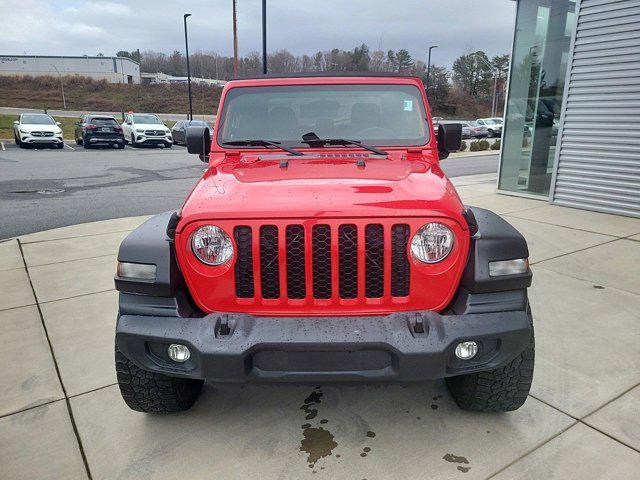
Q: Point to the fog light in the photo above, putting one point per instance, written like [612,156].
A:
[466,350]
[178,353]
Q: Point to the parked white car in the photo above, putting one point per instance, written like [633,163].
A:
[494,129]
[146,129]
[37,128]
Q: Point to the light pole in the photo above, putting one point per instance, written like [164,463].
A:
[186,44]
[264,36]
[235,41]
[429,67]
[64,101]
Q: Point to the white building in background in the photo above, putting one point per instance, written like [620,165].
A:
[164,78]
[111,69]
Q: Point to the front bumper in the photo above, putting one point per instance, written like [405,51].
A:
[142,139]
[29,139]
[323,348]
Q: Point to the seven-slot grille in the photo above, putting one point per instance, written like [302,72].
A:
[321,261]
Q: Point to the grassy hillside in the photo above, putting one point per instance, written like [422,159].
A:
[85,94]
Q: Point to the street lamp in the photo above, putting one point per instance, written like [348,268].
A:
[264,36]
[64,101]
[186,44]
[429,67]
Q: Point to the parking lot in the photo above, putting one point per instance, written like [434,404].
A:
[48,188]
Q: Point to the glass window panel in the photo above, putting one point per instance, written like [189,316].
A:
[538,71]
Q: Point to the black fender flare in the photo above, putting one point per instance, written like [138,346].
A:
[493,238]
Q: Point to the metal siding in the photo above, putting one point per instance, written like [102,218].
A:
[598,165]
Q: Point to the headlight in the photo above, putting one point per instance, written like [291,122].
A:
[139,130]
[24,131]
[211,245]
[432,243]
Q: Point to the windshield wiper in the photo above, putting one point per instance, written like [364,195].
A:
[314,141]
[262,143]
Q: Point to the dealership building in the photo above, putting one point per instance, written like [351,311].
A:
[111,69]
[572,116]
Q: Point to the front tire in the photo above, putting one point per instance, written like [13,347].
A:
[501,390]
[133,141]
[149,392]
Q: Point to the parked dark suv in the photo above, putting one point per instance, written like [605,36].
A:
[94,130]
[178,131]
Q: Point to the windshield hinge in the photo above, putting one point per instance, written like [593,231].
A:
[414,153]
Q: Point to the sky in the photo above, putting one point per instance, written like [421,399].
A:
[37,27]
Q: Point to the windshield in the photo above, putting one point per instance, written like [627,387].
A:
[374,114]
[150,119]
[103,121]
[38,119]
[490,122]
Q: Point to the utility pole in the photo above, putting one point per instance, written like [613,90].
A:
[264,36]
[186,44]
[494,69]
[235,41]
[429,67]
[64,101]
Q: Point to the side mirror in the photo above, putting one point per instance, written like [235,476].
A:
[58,123]
[199,142]
[16,122]
[449,139]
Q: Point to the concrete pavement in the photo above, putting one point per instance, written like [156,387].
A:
[61,415]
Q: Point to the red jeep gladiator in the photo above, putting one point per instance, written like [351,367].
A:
[324,243]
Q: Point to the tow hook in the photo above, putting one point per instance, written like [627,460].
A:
[223,326]
[418,326]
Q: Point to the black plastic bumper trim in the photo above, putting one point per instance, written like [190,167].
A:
[323,348]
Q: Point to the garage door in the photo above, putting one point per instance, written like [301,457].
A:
[598,165]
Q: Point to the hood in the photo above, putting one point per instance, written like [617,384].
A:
[316,186]
[150,126]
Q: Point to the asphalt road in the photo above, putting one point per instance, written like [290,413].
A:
[46,188]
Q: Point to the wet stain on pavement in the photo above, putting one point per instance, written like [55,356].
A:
[371,434]
[318,443]
[309,402]
[452,458]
